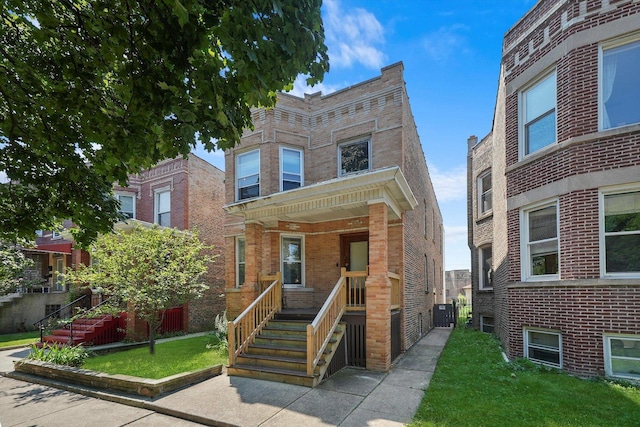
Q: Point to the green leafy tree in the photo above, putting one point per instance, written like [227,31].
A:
[150,269]
[92,91]
[13,262]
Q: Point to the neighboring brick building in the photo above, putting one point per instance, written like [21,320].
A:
[564,155]
[185,194]
[456,283]
[340,180]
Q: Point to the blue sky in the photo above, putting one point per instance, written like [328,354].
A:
[451,54]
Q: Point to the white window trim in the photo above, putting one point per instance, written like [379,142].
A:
[481,192]
[483,323]
[237,178]
[522,113]
[156,201]
[481,285]
[302,260]
[525,346]
[237,253]
[133,197]
[525,259]
[619,189]
[282,149]
[355,141]
[629,38]
[608,366]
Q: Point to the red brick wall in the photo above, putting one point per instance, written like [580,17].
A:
[581,313]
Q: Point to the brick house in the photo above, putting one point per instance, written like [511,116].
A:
[556,254]
[185,194]
[333,186]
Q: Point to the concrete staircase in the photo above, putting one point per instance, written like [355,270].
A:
[280,354]
[103,329]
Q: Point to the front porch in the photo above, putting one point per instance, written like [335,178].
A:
[298,345]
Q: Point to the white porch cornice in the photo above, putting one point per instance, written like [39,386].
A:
[339,198]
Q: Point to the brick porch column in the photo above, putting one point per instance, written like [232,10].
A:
[378,291]
[253,263]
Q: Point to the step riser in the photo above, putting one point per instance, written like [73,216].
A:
[289,379]
[301,367]
[283,333]
[281,343]
[276,324]
[299,353]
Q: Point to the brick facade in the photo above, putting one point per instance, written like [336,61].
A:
[197,197]
[581,303]
[332,206]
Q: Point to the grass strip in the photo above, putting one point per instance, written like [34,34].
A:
[170,358]
[22,338]
[474,386]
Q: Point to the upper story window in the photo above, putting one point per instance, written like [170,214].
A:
[127,205]
[56,235]
[291,169]
[248,175]
[540,247]
[354,157]
[162,208]
[620,85]
[538,115]
[620,233]
[485,199]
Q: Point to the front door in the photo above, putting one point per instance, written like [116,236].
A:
[354,251]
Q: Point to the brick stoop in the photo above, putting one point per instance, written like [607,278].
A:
[279,354]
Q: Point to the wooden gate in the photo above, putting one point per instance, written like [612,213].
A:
[444,315]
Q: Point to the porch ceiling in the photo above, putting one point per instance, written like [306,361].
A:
[339,198]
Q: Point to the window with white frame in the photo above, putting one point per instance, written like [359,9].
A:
[291,169]
[486,272]
[485,199]
[540,251]
[162,208]
[248,175]
[538,115]
[622,356]
[292,260]
[620,235]
[354,157]
[543,346]
[620,85]
[240,261]
[486,324]
[56,235]
[127,205]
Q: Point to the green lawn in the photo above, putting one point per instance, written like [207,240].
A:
[172,357]
[473,386]
[23,338]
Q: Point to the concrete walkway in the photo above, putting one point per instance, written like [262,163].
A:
[353,397]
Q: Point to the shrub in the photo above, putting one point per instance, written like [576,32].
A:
[60,355]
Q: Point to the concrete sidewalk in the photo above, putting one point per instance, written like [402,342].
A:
[353,397]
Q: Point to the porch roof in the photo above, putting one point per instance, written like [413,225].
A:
[339,198]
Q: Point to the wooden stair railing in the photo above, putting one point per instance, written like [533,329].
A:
[395,290]
[243,330]
[355,289]
[319,332]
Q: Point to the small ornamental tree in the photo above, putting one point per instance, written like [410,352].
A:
[150,269]
[12,265]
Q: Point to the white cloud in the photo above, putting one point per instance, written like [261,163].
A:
[352,36]
[449,185]
[446,42]
[300,87]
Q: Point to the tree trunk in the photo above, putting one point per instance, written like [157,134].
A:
[152,339]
